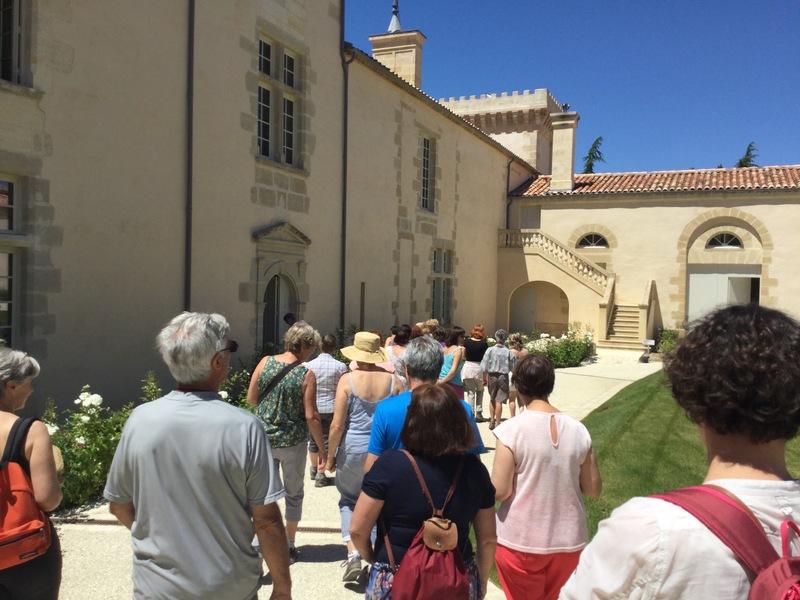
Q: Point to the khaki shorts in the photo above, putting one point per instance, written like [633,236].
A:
[498,387]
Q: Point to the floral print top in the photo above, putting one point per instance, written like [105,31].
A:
[282,412]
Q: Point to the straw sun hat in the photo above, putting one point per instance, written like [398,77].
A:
[366,348]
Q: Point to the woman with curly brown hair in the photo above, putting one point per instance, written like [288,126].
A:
[737,376]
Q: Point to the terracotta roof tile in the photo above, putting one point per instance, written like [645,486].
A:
[751,178]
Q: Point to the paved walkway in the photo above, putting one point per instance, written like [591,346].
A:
[97,555]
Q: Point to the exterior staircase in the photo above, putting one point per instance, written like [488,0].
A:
[623,334]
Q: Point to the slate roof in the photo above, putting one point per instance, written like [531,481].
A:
[751,178]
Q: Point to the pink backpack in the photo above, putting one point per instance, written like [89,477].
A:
[777,577]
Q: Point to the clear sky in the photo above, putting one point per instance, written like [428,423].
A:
[674,84]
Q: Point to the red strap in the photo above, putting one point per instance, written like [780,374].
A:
[727,519]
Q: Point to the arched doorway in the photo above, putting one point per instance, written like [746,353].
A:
[539,306]
[280,297]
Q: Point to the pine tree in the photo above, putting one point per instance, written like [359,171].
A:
[594,155]
[749,158]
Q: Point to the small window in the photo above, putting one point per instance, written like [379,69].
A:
[264,57]
[593,240]
[288,69]
[427,175]
[264,115]
[724,240]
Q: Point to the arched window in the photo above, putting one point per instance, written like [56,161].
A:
[724,240]
[593,240]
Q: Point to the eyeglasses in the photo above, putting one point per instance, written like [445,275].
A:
[232,348]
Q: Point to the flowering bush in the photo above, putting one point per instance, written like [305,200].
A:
[566,350]
[87,438]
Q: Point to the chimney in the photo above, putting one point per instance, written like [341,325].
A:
[563,173]
[401,53]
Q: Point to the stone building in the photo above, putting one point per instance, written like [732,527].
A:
[241,157]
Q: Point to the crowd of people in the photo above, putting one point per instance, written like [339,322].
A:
[197,480]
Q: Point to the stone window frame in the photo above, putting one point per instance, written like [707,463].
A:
[279,102]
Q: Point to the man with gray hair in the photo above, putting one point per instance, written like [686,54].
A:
[423,358]
[193,477]
[497,363]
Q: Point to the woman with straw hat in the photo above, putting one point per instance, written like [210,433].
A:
[356,398]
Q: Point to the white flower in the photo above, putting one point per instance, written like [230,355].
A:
[543,336]
[223,394]
[78,401]
[84,395]
[80,441]
[92,400]
[85,419]
[51,429]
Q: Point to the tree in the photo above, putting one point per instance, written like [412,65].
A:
[593,156]
[749,158]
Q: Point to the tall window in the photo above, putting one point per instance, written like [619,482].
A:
[279,98]
[427,176]
[442,286]
[7,258]
[264,119]
[11,40]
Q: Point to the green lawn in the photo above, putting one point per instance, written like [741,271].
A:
[646,445]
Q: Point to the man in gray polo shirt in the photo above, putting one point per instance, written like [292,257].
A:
[193,478]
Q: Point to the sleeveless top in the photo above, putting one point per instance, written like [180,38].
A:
[399,365]
[447,365]
[282,412]
[359,420]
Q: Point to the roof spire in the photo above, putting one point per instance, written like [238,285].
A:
[394,24]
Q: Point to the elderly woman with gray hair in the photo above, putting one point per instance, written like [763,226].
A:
[285,394]
[40,577]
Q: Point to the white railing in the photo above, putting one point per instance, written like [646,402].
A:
[534,239]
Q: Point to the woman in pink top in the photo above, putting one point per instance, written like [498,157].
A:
[543,464]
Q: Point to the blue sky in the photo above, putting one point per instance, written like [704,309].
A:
[669,85]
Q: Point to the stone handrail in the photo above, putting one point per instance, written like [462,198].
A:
[581,268]
[646,310]
[607,307]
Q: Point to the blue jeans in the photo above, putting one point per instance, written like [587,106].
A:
[349,475]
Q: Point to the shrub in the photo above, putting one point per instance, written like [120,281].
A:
[87,438]
[565,351]
[667,340]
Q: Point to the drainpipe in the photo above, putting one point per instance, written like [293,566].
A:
[508,192]
[343,48]
[187,266]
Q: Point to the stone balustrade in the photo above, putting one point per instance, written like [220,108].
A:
[561,254]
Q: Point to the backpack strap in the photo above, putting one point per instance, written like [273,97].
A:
[15,446]
[730,520]
[452,489]
[436,512]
